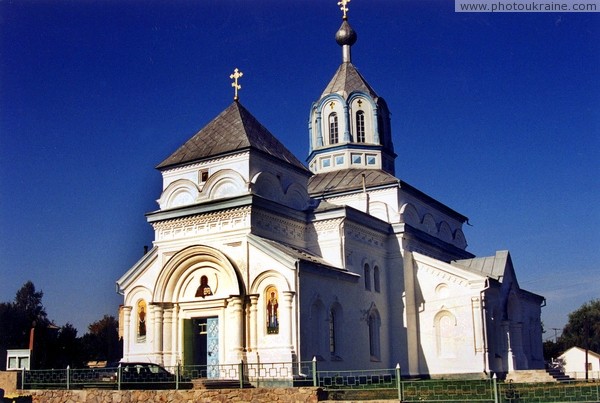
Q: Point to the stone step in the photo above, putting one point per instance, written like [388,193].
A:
[537,375]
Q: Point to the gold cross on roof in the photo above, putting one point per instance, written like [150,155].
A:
[343,4]
[236,74]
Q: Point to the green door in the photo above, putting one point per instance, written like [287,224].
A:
[201,345]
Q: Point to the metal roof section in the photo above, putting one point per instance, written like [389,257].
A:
[490,266]
[348,180]
[336,183]
[233,130]
[347,80]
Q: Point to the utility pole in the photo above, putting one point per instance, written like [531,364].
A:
[586,334]
[555,333]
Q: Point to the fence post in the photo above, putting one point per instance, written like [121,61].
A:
[314,371]
[177,377]
[495,388]
[241,373]
[68,376]
[119,372]
[23,378]
[399,381]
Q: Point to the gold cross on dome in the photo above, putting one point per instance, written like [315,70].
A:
[236,74]
[343,4]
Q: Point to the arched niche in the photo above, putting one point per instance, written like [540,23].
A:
[181,192]
[223,183]
[409,215]
[445,232]
[429,224]
[183,272]
[267,185]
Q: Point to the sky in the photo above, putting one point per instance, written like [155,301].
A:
[494,114]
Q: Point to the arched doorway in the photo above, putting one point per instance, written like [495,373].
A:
[206,294]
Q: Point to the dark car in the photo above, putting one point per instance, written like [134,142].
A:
[145,375]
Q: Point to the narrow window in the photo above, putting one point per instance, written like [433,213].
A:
[367,277]
[203,176]
[376,282]
[374,336]
[333,128]
[332,332]
[360,127]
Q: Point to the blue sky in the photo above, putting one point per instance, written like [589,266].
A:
[495,115]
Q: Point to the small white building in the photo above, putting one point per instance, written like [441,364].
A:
[258,258]
[18,359]
[573,363]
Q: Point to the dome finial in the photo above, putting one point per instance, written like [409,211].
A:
[345,36]
[236,74]
[343,4]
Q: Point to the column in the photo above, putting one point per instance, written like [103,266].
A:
[157,313]
[348,122]
[476,313]
[175,343]
[253,322]
[126,330]
[376,138]
[167,333]
[287,319]
[509,352]
[516,331]
[319,131]
[234,330]
[412,319]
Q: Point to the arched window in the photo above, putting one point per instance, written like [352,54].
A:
[374,325]
[317,336]
[333,128]
[376,281]
[360,127]
[367,277]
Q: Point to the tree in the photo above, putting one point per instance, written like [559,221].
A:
[21,319]
[583,328]
[102,341]
[29,302]
[68,348]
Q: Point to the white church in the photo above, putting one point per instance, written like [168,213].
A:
[260,258]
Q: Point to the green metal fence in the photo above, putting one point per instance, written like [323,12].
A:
[360,384]
[550,392]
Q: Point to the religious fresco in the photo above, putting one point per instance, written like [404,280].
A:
[142,311]
[204,289]
[272,298]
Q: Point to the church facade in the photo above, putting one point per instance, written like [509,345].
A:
[260,258]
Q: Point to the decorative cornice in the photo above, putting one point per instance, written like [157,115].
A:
[202,224]
[365,236]
[206,162]
[277,227]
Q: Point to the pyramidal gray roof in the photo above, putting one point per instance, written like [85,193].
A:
[346,80]
[234,129]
